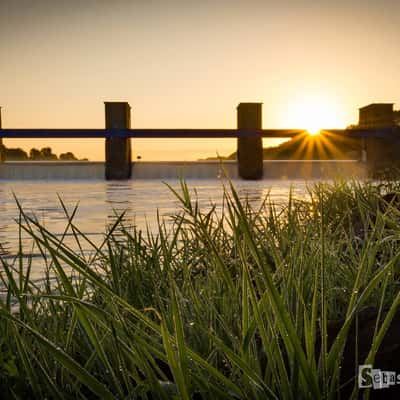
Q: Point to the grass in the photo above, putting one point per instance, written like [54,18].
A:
[231,305]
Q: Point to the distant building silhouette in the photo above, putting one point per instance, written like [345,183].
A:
[376,115]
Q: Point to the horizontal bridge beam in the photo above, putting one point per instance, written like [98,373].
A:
[367,132]
[145,133]
[189,133]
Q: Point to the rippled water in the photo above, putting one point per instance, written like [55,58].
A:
[100,201]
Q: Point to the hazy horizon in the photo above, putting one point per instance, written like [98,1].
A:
[187,64]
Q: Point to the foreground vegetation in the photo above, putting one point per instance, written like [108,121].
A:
[250,303]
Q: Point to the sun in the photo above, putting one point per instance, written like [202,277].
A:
[314,113]
[313,129]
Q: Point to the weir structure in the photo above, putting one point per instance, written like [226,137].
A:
[249,135]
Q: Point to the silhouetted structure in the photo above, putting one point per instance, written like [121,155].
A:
[249,149]
[117,134]
[382,153]
[376,115]
[118,149]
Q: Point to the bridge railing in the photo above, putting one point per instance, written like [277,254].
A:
[249,134]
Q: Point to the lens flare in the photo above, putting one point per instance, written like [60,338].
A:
[314,113]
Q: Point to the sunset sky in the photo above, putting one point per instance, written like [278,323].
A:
[187,64]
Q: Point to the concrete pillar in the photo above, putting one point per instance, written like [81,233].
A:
[250,149]
[118,149]
[382,155]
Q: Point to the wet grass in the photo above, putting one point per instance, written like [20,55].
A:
[225,305]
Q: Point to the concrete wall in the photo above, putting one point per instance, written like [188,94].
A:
[21,170]
[324,169]
[169,170]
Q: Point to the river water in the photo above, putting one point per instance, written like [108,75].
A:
[100,201]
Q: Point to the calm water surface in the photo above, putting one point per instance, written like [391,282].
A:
[99,202]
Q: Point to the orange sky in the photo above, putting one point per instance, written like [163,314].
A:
[189,63]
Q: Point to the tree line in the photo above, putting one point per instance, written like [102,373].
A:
[44,154]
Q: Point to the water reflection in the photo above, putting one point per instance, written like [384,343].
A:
[100,203]
[118,199]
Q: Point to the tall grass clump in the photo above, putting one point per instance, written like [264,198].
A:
[248,303]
